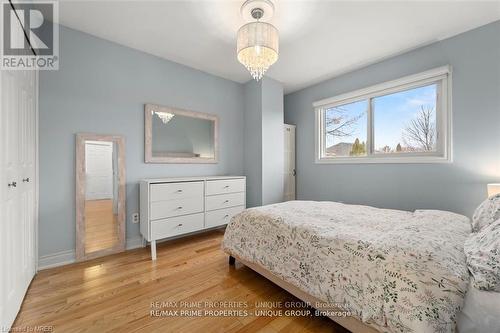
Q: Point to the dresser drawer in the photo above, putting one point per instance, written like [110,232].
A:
[176,226]
[176,207]
[171,191]
[222,216]
[225,186]
[224,201]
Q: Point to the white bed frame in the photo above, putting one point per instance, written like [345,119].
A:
[350,323]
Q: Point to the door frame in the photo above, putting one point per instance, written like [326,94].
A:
[294,127]
[37,172]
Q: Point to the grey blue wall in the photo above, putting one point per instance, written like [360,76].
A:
[459,186]
[101,87]
[253,142]
[272,141]
[264,145]
[183,134]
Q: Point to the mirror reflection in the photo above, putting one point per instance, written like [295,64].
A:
[175,135]
[101,195]
[179,136]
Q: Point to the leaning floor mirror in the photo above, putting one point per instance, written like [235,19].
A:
[100,195]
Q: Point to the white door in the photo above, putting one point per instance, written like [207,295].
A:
[18,212]
[289,180]
[98,170]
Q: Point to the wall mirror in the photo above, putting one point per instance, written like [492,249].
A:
[100,195]
[179,136]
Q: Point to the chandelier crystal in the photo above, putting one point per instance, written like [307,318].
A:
[257,45]
[164,116]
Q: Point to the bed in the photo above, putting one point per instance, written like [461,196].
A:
[394,271]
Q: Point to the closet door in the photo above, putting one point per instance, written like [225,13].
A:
[17,189]
[11,290]
[26,171]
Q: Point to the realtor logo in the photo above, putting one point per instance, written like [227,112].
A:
[30,35]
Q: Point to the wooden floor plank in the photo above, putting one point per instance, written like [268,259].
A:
[101,225]
[114,293]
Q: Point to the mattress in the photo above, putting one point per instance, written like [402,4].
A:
[394,270]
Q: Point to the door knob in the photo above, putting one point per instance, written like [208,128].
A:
[13,184]
[26,180]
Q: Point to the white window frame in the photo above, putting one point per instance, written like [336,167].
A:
[443,154]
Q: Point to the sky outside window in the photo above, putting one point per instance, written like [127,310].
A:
[393,115]
[343,125]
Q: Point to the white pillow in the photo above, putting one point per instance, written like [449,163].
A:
[487,212]
[482,250]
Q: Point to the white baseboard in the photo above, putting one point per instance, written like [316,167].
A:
[56,259]
[68,257]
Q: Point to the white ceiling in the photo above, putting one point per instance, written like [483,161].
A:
[318,39]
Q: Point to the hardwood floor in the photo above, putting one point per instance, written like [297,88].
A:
[101,225]
[117,293]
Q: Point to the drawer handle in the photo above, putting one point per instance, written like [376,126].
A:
[180,207]
[179,225]
[227,186]
[226,216]
[179,191]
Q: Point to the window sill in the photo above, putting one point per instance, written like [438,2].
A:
[385,160]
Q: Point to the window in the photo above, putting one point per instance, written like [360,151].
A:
[401,121]
[405,121]
[345,129]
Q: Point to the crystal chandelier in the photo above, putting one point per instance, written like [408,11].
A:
[164,116]
[258,42]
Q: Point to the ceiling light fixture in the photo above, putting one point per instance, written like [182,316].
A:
[258,42]
[164,116]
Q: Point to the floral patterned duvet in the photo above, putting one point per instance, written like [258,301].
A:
[397,271]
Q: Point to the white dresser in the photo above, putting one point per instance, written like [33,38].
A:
[171,207]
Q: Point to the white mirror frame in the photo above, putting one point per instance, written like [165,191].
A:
[149,109]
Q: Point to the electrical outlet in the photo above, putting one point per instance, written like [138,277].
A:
[135,218]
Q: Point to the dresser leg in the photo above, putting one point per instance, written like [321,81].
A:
[153,250]
[232,261]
